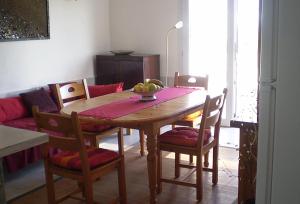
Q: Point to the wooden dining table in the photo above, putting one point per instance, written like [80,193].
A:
[150,120]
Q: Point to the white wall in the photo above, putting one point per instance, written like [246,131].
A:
[141,25]
[79,30]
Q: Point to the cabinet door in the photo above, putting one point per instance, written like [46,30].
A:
[107,72]
[131,73]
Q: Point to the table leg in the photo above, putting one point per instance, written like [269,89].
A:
[2,191]
[151,133]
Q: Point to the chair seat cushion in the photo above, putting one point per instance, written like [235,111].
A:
[22,123]
[72,161]
[184,136]
[193,116]
[88,127]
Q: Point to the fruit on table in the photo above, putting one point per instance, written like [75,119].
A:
[150,85]
[138,87]
[156,82]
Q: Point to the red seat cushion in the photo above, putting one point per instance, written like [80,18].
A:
[184,136]
[96,157]
[94,127]
[99,90]
[22,123]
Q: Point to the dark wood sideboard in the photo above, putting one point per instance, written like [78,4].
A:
[247,158]
[130,69]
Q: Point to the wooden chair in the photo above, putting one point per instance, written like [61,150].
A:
[198,142]
[190,81]
[193,119]
[67,93]
[76,160]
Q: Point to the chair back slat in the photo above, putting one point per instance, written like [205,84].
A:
[72,90]
[190,81]
[65,143]
[212,120]
[55,123]
[216,103]
[66,93]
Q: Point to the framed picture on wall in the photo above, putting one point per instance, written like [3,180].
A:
[24,20]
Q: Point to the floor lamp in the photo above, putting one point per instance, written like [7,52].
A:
[178,25]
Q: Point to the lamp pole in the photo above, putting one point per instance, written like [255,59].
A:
[178,25]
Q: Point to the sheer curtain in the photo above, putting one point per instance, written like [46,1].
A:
[208,40]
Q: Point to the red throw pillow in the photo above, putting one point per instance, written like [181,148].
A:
[40,98]
[12,108]
[99,90]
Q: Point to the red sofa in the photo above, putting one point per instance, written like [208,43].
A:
[14,113]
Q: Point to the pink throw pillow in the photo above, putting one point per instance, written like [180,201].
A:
[99,90]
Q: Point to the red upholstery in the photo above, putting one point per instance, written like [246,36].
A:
[94,127]
[21,159]
[12,108]
[99,90]
[96,157]
[22,123]
[2,115]
[184,136]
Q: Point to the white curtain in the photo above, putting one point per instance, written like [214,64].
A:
[208,41]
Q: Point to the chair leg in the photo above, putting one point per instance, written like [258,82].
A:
[142,142]
[81,187]
[88,187]
[94,141]
[206,159]
[177,168]
[49,184]
[159,170]
[199,178]
[122,182]
[191,159]
[215,165]
[128,131]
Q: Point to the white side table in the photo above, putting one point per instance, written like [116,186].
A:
[13,140]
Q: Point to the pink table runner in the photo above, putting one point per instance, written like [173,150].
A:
[133,104]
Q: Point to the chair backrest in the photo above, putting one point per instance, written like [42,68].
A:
[190,81]
[70,92]
[64,131]
[212,115]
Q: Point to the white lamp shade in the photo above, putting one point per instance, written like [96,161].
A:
[178,25]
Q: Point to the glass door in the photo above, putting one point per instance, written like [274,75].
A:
[208,38]
[223,42]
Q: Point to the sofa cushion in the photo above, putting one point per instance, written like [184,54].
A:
[41,99]
[99,90]
[22,123]
[184,136]
[2,115]
[96,157]
[12,108]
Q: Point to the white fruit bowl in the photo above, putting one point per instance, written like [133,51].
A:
[147,96]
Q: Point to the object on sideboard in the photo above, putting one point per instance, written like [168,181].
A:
[122,52]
